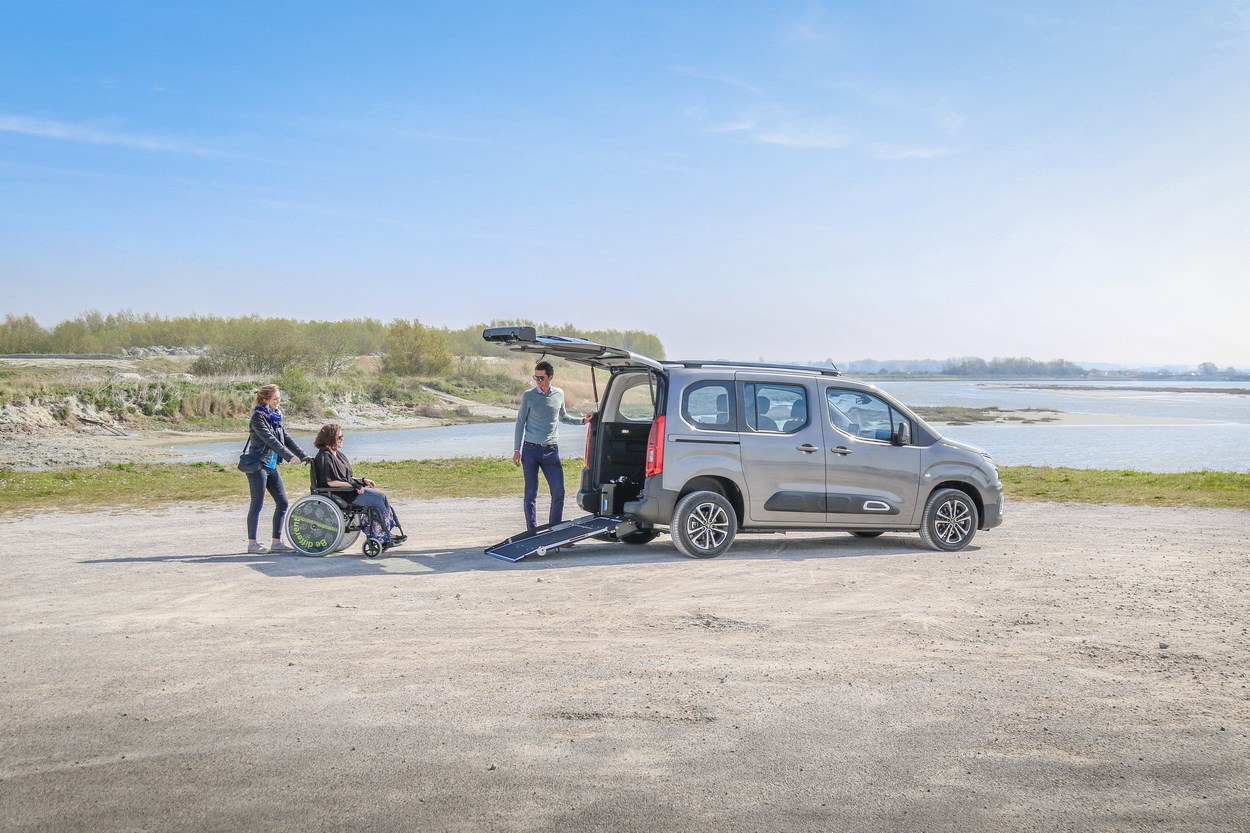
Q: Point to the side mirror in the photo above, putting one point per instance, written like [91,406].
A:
[902,434]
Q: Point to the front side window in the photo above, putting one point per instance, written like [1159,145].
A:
[710,405]
[862,415]
[775,409]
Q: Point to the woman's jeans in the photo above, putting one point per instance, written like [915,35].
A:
[258,482]
[376,500]
[546,458]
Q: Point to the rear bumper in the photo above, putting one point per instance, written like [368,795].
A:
[654,506]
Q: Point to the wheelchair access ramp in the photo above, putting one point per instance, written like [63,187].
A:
[543,539]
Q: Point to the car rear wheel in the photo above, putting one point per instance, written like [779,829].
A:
[950,520]
[704,525]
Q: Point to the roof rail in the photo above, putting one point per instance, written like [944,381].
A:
[823,371]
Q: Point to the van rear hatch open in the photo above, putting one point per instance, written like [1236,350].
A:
[579,350]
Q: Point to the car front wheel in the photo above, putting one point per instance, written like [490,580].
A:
[704,525]
[950,520]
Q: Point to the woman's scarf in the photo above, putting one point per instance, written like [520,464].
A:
[270,458]
[273,415]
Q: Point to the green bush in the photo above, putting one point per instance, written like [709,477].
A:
[414,349]
[299,394]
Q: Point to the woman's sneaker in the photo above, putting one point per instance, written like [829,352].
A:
[256,549]
[280,547]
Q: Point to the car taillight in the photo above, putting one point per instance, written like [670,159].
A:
[655,448]
[590,430]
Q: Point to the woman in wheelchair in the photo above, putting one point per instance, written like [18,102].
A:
[332,470]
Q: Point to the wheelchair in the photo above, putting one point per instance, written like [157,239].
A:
[324,522]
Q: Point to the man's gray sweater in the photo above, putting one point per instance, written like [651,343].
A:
[537,415]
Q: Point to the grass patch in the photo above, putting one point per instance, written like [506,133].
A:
[128,486]
[1199,489]
[164,484]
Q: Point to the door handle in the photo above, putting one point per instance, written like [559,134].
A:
[843,450]
[808,448]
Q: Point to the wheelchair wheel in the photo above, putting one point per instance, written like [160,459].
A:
[349,538]
[373,547]
[314,525]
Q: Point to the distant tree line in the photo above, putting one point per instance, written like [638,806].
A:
[1012,367]
[270,346]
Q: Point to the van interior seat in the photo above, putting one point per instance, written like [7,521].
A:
[798,415]
[763,421]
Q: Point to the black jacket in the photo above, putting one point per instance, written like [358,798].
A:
[329,465]
[264,436]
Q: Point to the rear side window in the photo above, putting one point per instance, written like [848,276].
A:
[710,405]
[775,409]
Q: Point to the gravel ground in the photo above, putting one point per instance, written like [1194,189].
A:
[1079,668]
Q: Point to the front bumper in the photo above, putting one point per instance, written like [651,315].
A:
[993,514]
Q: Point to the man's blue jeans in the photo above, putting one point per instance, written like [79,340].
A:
[547,458]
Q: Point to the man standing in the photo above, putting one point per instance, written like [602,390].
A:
[537,439]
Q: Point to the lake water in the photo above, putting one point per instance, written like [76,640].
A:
[1220,441]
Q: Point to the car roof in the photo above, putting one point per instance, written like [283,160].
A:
[729,365]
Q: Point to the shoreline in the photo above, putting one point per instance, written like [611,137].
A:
[42,443]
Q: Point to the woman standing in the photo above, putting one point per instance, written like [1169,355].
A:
[268,437]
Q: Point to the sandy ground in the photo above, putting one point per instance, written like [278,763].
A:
[1078,669]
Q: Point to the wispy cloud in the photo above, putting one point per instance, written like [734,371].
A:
[803,137]
[813,28]
[91,134]
[904,152]
[773,125]
[938,109]
[733,126]
[43,170]
[728,80]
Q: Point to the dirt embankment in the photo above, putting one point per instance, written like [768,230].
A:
[73,433]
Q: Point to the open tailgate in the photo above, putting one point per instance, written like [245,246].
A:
[527,340]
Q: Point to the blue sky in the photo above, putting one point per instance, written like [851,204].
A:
[787,180]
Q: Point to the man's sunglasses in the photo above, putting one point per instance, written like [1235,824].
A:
[541,378]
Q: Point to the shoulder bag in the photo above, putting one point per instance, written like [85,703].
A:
[249,461]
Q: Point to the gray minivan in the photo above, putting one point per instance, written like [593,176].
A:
[708,449]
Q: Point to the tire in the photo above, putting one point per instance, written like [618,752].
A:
[372,548]
[950,520]
[314,525]
[349,538]
[704,525]
[638,537]
[867,533]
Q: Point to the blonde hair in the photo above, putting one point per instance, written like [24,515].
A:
[265,394]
